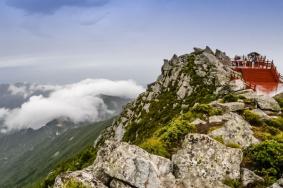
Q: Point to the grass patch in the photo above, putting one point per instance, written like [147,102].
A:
[230,98]
[72,183]
[252,118]
[155,146]
[162,117]
[206,109]
[219,139]
[78,162]
[275,122]
[279,99]
[233,145]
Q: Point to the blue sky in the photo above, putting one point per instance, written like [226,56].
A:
[61,41]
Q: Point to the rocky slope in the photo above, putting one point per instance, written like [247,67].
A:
[193,127]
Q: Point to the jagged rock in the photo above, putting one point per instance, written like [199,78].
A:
[184,89]
[237,85]
[230,106]
[205,158]
[198,50]
[249,177]
[223,57]
[119,184]
[119,132]
[208,50]
[278,184]
[198,122]
[221,75]
[267,103]
[215,120]
[133,165]
[264,102]
[83,176]
[166,66]
[178,81]
[235,131]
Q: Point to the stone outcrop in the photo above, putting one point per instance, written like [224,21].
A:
[235,131]
[223,57]
[264,102]
[207,66]
[131,164]
[229,107]
[205,158]
[249,177]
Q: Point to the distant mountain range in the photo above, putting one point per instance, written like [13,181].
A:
[28,154]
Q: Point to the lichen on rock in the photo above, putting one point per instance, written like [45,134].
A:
[205,158]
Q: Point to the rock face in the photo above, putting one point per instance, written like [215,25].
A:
[230,106]
[131,164]
[205,158]
[264,102]
[198,160]
[248,177]
[235,131]
[176,78]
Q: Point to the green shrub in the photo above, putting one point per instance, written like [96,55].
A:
[173,133]
[265,132]
[252,118]
[155,146]
[275,122]
[265,159]
[230,98]
[279,99]
[206,109]
[233,145]
[234,183]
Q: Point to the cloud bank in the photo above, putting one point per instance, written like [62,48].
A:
[50,6]
[78,102]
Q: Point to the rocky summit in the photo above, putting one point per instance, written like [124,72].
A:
[195,126]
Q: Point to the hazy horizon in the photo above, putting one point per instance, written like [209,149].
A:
[61,42]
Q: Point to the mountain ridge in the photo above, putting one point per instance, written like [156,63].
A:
[196,126]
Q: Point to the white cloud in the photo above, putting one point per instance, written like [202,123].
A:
[78,102]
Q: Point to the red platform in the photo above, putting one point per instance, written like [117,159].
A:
[258,73]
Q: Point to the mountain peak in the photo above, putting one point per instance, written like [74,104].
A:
[188,129]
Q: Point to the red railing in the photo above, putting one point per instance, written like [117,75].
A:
[258,63]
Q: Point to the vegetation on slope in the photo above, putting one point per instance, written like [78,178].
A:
[265,159]
[162,129]
[77,162]
[38,163]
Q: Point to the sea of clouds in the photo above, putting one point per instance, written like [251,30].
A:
[79,102]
